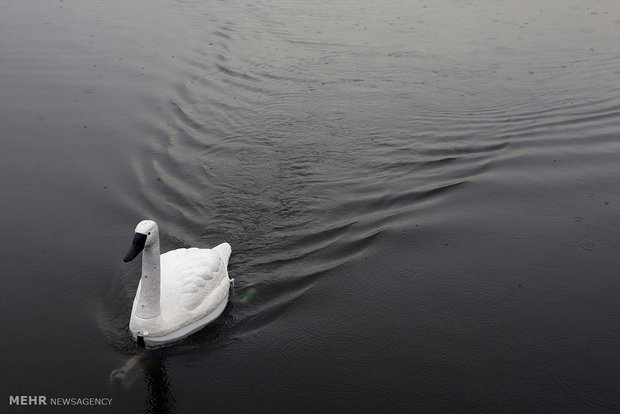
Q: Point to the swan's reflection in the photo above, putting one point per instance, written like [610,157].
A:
[151,363]
[160,399]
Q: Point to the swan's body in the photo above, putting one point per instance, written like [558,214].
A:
[180,291]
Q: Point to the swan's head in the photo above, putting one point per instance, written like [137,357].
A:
[146,234]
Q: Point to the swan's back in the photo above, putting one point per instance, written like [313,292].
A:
[191,274]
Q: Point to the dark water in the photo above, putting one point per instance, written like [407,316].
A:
[422,197]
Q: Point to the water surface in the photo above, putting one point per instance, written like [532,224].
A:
[422,199]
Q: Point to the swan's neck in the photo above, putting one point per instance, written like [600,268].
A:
[149,299]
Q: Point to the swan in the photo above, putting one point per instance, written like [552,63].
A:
[179,292]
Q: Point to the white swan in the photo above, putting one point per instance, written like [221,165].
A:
[179,292]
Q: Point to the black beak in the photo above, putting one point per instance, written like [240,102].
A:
[136,247]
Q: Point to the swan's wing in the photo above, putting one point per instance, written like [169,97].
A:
[192,274]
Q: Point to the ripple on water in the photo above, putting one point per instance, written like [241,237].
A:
[301,150]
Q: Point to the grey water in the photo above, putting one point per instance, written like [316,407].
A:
[423,200]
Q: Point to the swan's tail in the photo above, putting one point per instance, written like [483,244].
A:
[224,251]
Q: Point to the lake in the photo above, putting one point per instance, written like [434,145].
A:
[422,198]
